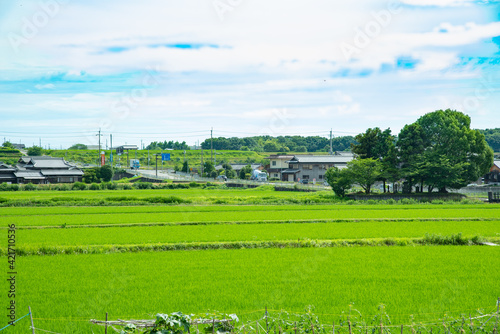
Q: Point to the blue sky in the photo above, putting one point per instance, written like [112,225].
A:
[165,69]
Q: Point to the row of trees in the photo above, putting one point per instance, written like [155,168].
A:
[280,143]
[158,145]
[438,151]
[492,137]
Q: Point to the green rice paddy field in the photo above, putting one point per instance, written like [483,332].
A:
[422,283]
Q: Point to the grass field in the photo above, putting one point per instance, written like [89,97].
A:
[426,282]
[65,291]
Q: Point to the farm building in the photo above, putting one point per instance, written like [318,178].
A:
[39,170]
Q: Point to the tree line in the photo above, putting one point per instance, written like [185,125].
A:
[280,143]
[438,152]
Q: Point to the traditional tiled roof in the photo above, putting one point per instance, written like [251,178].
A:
[321,159]
[277,156]
[29,175]
[62,172]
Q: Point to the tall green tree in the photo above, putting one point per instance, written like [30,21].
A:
[411,145]
[379,145]
[185,167]
[106,173]
[340,180]
[365,172]
[244,171]
[446,148]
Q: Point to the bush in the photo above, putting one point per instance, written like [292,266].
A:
[194,185]
[79,186]
[13,187]
[29,187]
[127,186]
[143,185]
[94,186]
[61,187]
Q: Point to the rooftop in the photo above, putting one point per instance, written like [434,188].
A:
[321,159]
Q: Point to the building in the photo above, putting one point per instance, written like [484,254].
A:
[7,173]
[494,175]
[312,168]
[278,164]
[40,170]
[19,146]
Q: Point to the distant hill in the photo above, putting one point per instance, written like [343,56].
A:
[492,138]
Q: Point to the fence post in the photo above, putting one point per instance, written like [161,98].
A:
[106,326]
[401,329]
[349,323]
[333,328]
[31,317]
[213,325]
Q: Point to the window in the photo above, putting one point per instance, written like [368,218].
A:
[58,180]
[273,163]
[321,177]
[275,175]
[70,179]
[305,177]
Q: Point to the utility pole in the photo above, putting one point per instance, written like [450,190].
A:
[202,167]
[211,145]
[111,149]
[156,159]
[39,141]
[99,152]
[331,146]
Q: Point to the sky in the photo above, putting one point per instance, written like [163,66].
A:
[173,70]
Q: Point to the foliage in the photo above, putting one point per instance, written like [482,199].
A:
[157,145]
[185,167]
[280,143]
[364,172]
[78,147]
[8,144]
[106,173]
[340,180]
[35,151]
[227,170]
[442,142]
[245,171]
[79,186]
[174,323]
[492,137]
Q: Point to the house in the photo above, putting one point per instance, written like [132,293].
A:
[278,164]
[7,173]
[44,169]
[312,168]
[494,175]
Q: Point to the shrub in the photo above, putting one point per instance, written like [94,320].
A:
[143,185]
[61,187]
[79,186]
[13,187]
[29,187]
[194,185]
[94,186]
